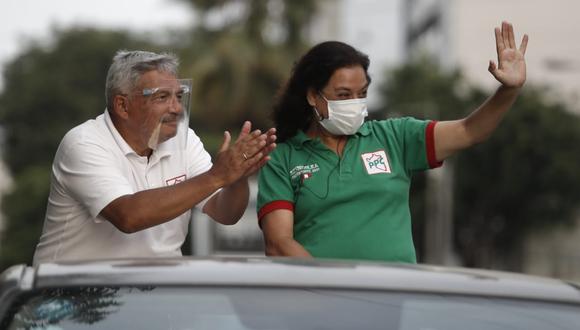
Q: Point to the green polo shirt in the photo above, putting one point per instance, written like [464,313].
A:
[357,206]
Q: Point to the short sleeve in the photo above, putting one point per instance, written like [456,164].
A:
[414,139]
[274,184]
[90,173]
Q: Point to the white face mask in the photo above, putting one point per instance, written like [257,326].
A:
[345,117]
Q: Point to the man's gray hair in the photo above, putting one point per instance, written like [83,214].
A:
[129,66]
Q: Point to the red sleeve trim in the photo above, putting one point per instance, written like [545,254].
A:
[273,206]
[430,145]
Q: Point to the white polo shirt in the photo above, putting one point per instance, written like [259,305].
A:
[94,166]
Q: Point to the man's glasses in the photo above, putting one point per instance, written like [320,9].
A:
[164,95]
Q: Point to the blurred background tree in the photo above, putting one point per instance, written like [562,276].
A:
[48,90]
[240,52]
[523,179]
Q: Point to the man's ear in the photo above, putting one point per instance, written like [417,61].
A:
[311,96]
[121,106]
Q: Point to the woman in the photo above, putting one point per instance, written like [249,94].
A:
[338,187]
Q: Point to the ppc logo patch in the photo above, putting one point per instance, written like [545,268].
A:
[176,180]
[376,162]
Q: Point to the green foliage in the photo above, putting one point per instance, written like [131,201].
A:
[24,209]
[524,178]
[422,90]
[48,90]
[237,67]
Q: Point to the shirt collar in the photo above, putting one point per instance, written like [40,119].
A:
[299,139]
[364,130]
[123,145]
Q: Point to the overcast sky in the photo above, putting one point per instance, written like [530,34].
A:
[371,25]
[22,20]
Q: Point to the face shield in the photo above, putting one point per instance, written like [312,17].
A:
[166,114]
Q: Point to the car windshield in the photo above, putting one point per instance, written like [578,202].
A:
[278,308]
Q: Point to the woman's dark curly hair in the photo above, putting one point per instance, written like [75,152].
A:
[291,111]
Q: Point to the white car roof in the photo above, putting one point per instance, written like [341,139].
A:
[284,272]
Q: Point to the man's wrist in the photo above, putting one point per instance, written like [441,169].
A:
[240,183]
[216,180]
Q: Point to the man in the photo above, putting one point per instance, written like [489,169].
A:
[124,183]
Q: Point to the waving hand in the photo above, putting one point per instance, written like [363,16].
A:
[511,67]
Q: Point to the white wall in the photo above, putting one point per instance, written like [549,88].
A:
[553,56]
